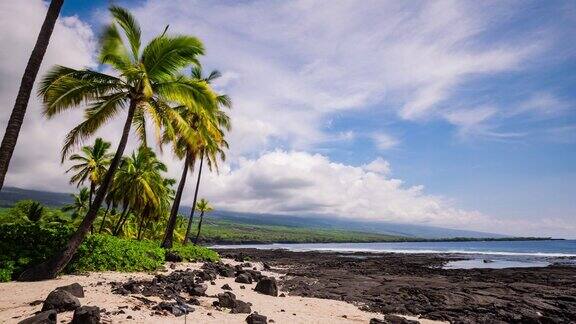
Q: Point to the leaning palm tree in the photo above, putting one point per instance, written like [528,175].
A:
[26,84]
[209,125]
[80,203]
[146,84]
[92,165]
[203,206]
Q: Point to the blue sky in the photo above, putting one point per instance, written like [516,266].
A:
[467,108]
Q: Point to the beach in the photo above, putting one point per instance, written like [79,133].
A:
[16,299]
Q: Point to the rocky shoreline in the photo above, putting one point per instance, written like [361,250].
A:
[416,284]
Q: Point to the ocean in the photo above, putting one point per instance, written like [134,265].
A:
[479,254]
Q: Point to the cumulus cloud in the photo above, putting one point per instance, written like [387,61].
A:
[301,183]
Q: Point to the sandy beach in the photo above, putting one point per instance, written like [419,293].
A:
[16,297]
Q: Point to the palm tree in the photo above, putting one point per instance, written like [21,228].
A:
[26,84]
[208,124]
[92,165]
[80,204]
[143,188]
[147,82]
[203,206]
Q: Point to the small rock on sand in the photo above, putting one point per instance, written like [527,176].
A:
[47,317]
[256,318]
[267,286]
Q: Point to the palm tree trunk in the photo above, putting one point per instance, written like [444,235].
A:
[104,217]
[199,228]
[195,198]
[91,192]
[121,218]
[49,269]
[169,233]
[144,215]
[26,85]
[122,221]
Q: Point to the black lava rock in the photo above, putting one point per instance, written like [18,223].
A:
[267,286]
[47,317]
[244,278]
[256,318]
[60,301]
[86,315]
[75,289]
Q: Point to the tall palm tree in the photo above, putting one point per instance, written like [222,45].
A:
[80,204]
[203,206]
[26,85]
[209,125]
[147,83]
[92,165]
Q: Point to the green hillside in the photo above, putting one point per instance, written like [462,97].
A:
[223,232]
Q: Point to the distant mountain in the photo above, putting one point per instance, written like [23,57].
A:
[10,195]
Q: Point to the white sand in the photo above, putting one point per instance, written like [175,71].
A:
[15,298]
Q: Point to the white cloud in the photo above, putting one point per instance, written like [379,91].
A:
[302,183]
[379,165]
[541,104]
[384,141]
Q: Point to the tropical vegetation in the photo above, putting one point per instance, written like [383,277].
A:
[147,84]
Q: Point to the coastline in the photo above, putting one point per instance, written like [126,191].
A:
[417,284]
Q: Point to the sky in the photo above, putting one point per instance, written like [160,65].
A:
[459,114]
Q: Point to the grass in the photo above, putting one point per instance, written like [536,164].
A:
[226,232]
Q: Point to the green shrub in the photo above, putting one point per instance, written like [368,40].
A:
[106,252]
[195,253]
[23,244]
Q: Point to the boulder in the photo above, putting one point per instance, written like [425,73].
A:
[86,315]
[198,290]
[47,317]
[256,318]
[60,301]
[75,289]
[227,299]
[244,278]
[241,307]
[226,287]
[172,257]
[267,286]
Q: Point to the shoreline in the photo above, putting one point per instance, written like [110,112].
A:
[417,284]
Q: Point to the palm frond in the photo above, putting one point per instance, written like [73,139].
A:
[131,28]
[164,56]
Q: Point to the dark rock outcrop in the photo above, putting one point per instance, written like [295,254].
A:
[60,301]
[47,317]
[256,318]
[227,299]
[244,278]
[241,307]
[226,287]
[75,289]
[267,286]
[86,315]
